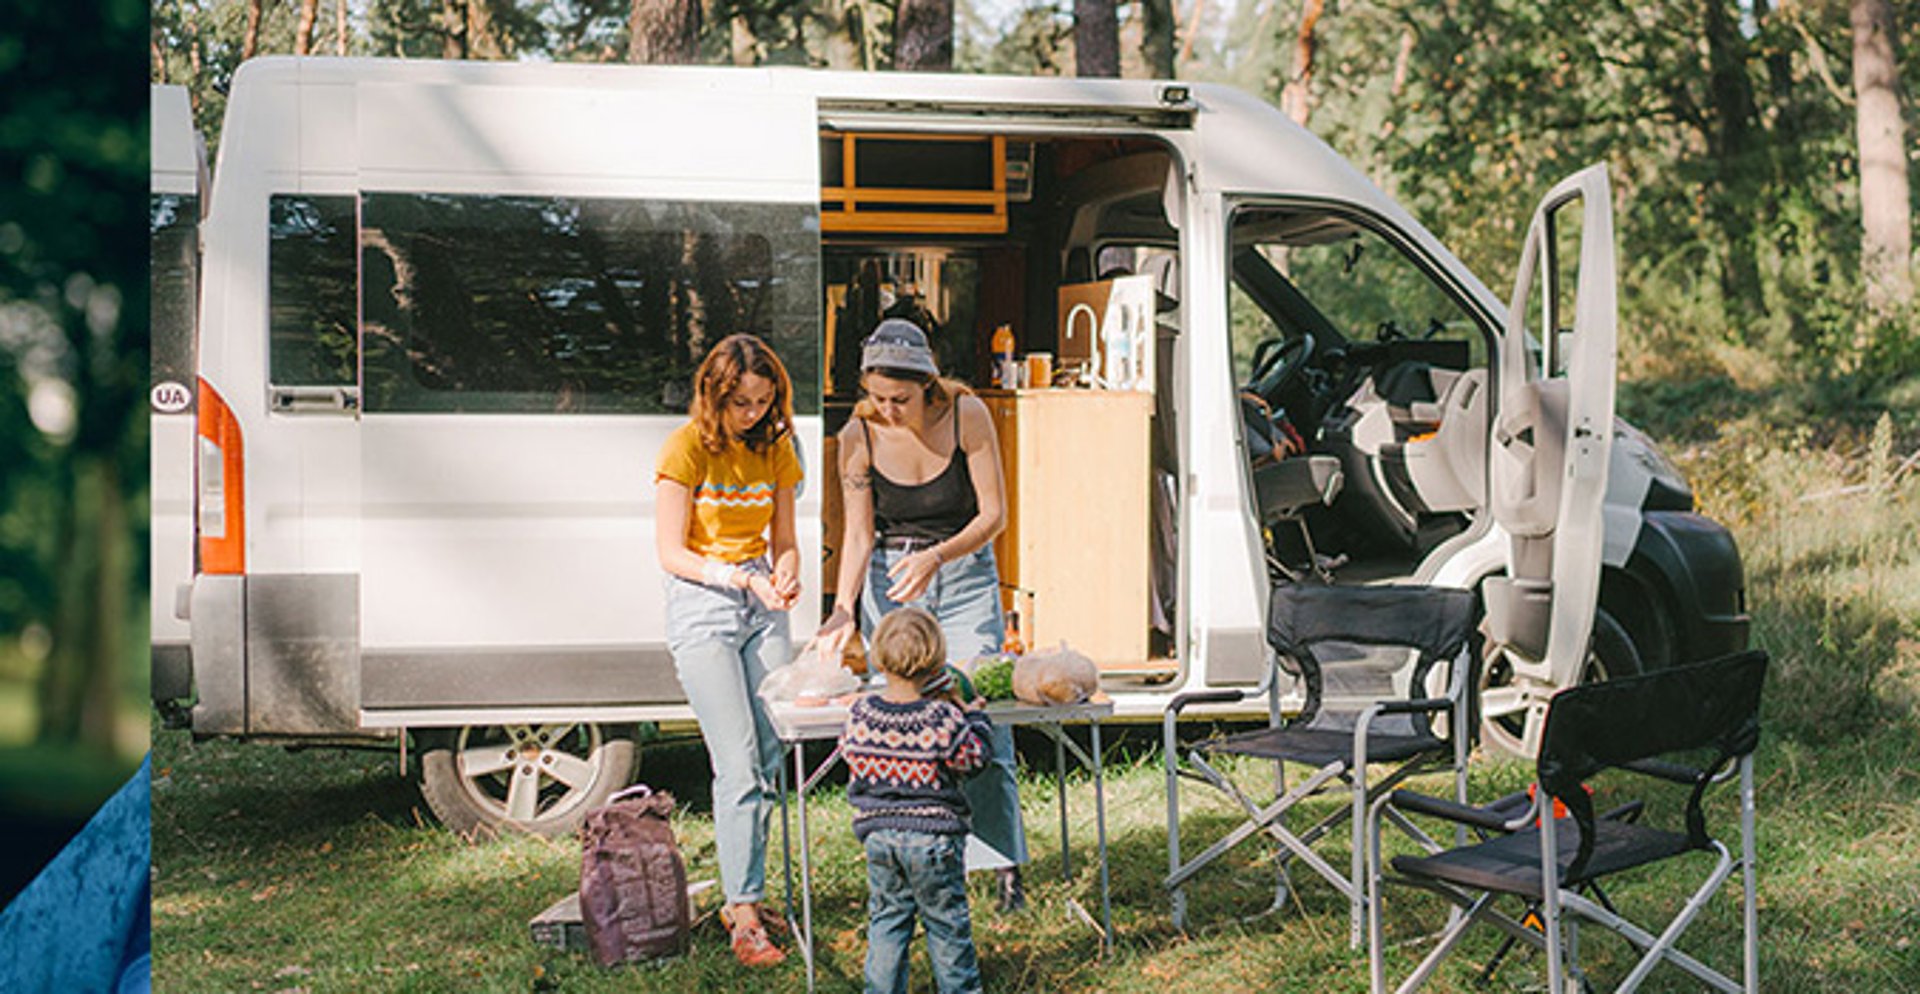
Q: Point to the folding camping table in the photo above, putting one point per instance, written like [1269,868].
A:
[798,725]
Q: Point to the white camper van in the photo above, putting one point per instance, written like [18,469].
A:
[178,163]
[450,310]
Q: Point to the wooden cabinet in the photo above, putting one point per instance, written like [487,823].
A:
[1077,464]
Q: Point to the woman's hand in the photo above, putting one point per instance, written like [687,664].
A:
[762,586]
[911,575]
[834,634]
[786,580]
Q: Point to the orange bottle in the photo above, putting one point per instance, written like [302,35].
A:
[1004,371]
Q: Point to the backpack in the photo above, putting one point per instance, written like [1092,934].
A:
[633,886]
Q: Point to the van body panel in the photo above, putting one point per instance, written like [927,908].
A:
[303,656]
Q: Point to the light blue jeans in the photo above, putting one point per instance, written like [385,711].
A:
[913,874]
[965,598]
[723,643]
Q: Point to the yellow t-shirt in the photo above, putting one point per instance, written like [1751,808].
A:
[732,491]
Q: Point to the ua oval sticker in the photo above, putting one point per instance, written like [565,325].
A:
[171,398]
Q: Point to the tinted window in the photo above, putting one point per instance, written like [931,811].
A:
[310,295]
[173,223]
[558,304]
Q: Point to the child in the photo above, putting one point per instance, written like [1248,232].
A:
[905,749]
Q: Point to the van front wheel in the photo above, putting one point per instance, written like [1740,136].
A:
[1504,716]
[542,779]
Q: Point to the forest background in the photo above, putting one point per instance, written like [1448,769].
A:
[1761,151]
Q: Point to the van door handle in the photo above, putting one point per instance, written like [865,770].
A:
[313,400]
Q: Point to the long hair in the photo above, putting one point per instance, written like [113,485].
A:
[941,392]
[908,643]
[719,376]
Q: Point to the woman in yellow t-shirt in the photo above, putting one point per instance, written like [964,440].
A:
[724,527]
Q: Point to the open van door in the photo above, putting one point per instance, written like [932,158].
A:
[542,269]
[176,201]
[1551,440]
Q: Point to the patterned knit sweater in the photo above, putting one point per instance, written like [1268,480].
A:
[904,762]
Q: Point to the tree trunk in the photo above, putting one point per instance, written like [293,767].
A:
[78,698]
[303,28]
[481,43]
[159,61]
[1187,33]
[1886,210]
[741,44]
[664,32]
[340,28]
[250,42]
[1296,99]
[923,36]
[1730,139]
[453,28]
[1096,39]
[1156,43]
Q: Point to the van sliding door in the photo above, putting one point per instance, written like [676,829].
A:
[541,270]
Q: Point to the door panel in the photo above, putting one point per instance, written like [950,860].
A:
[529,336]
[1552,435]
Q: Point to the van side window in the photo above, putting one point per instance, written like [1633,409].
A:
[311,309]
[173,224]
[476,303]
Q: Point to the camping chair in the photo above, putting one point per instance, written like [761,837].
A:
[1633,723]
[1365,655]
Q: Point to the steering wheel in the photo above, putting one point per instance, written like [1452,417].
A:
[1277,365]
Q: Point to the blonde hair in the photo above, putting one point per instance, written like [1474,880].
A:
[908,643]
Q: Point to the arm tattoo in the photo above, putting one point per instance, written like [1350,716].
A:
[855,482]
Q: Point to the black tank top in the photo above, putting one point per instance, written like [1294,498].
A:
[933,511]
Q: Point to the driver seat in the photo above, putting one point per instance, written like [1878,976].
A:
[1284,490]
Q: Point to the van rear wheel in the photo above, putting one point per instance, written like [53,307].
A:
[1504,715]
[482,779]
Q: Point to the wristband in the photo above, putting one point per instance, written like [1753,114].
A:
[715,574]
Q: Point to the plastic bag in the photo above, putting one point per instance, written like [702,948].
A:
[1055,676]
[807,682]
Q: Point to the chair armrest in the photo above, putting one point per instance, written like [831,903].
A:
[1417,704]
[1662,770]
[1222,696]
[1466,814]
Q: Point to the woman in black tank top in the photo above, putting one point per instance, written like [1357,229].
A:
[922,502]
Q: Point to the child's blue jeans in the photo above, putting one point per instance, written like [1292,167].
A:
[917,873]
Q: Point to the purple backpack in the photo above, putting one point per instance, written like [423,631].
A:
[633,886]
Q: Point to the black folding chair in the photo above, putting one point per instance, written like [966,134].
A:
[1365,655]
[1636,724]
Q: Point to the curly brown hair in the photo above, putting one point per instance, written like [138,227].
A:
[717,378]
[908,643]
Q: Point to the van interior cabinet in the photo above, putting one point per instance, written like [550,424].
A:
[1076,468]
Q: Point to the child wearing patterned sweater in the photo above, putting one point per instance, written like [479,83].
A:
[906,748]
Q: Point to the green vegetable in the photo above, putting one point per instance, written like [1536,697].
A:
[993,679]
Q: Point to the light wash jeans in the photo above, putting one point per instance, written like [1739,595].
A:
[723,643]
[917,873]
[965,598]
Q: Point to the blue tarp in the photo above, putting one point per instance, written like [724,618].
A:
[83,924]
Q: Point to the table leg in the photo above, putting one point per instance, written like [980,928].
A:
[1060,781]
[806,862]
[1100,821]
[786,839]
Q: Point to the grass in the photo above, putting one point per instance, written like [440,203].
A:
[318,871]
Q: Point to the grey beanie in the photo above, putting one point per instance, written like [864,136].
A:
[898,344]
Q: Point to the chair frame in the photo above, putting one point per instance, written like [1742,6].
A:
[1556,901]
[1351,771]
